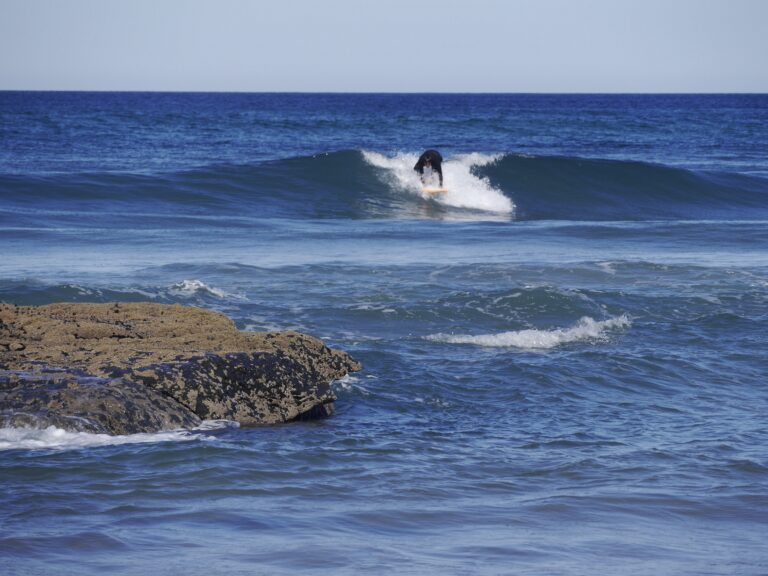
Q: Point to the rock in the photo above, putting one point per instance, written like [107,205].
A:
[125,368]
[86,404]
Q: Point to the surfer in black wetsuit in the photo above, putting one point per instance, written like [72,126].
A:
[430,159]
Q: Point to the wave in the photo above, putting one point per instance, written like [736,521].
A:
[195,288]
[345,184]
[581,189]
[369,184]
[338,184]
[34,292]
[465,188]
[586,329]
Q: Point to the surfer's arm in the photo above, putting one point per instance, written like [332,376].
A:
[420,169]
[439,169]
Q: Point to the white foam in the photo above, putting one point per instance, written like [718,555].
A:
[465,190]
[217,424]
[52,438]
[190,288]
[607,267]
[585,329]
[82,289]
[349,383]
[150,295]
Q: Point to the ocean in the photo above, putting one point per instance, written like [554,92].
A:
[565,367]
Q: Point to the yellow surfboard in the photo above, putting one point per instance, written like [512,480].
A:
[434,190]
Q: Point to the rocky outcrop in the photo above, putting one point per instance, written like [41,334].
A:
[125,368]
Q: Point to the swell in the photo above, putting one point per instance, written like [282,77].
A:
[331,185]
[572,188]
[353,184]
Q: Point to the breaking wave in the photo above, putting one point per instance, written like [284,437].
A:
[370,184]
[586,329]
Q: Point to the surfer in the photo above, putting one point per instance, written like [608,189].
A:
[430,159]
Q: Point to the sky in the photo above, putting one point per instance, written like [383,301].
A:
[385,46]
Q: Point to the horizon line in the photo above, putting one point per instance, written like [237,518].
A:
[373,92]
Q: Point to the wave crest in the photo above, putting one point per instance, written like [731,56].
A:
[465,188]
[585,329]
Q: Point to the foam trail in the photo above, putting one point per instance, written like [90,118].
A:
[52,438]
[465,189]
[585,329]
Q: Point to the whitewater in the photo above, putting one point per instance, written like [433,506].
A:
[467,189]
[563,366]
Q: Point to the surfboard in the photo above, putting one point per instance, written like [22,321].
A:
[434,190]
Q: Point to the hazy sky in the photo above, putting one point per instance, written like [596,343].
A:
[386,45]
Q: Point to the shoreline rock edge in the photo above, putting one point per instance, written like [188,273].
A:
[123,368]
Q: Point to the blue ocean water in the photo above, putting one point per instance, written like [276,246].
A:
[564,356]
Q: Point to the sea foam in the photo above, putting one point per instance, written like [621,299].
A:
[584,330]
[190,288]
[53,438]
[465,189]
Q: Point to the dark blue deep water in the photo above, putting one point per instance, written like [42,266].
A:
[565,366]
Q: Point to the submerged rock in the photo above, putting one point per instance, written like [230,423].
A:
[126,368]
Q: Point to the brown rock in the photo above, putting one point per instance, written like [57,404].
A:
[117,367]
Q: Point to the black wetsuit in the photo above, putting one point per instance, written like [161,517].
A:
[435,160]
